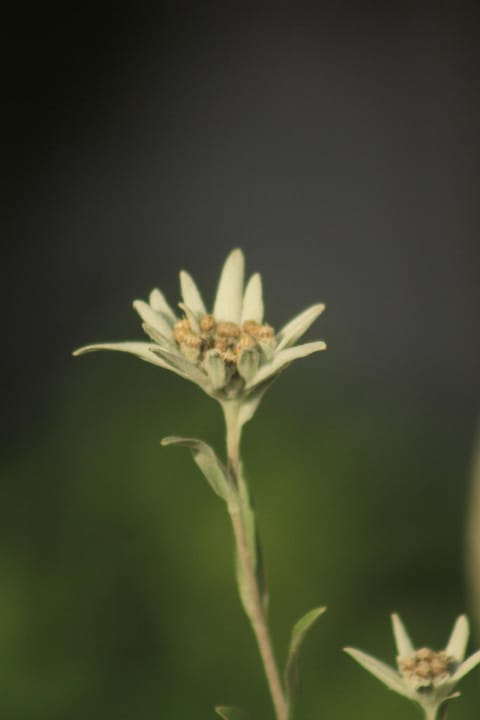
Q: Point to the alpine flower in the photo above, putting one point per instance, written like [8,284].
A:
[425,676]
[230,352]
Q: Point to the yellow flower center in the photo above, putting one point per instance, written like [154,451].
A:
[228,338]
[426,667]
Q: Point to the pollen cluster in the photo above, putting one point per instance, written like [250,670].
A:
[228,338]
[425,667]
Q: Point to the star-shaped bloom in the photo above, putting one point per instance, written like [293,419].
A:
[425,676]
[231,353]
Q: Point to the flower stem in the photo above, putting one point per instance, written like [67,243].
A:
[256,610]
[436,712]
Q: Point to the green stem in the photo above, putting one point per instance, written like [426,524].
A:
[436,712]
[256,614]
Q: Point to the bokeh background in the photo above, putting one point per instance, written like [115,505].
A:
[338,145]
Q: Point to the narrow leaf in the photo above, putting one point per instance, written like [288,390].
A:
[213,469]
[299,633]
[229,297]
[141,350]
[231,713]
[453,696]
[457,643]
[191,295]
[468,665]
[297,327]
[386,674]
[184,366]
[402,638]
[249,407]
[251,403]
[253,300]
[157,337]
[153,318]
[285,357]
[160,305]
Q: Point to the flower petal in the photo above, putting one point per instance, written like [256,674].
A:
[228,300]
[294,329]
[158,338]
[283,358]
[191,295]
[402,638]
[253,300]
[160,305]
[192,318]
[247,363]
[387,675]
[268,351]
[215,368]
[139,349]
[153,318]
[466,666]
[458,640]
[183,365]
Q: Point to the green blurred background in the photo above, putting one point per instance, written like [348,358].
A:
[338,147]
[117,591]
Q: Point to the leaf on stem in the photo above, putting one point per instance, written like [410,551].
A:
[231,713]
[251,403]
[213,469]
[299,633]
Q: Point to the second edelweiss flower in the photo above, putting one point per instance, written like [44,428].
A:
[426,676]
[230,353]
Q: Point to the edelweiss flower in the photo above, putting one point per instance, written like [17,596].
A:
[425,676]
[230,353]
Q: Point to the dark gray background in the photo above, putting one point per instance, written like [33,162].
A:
[338,145]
